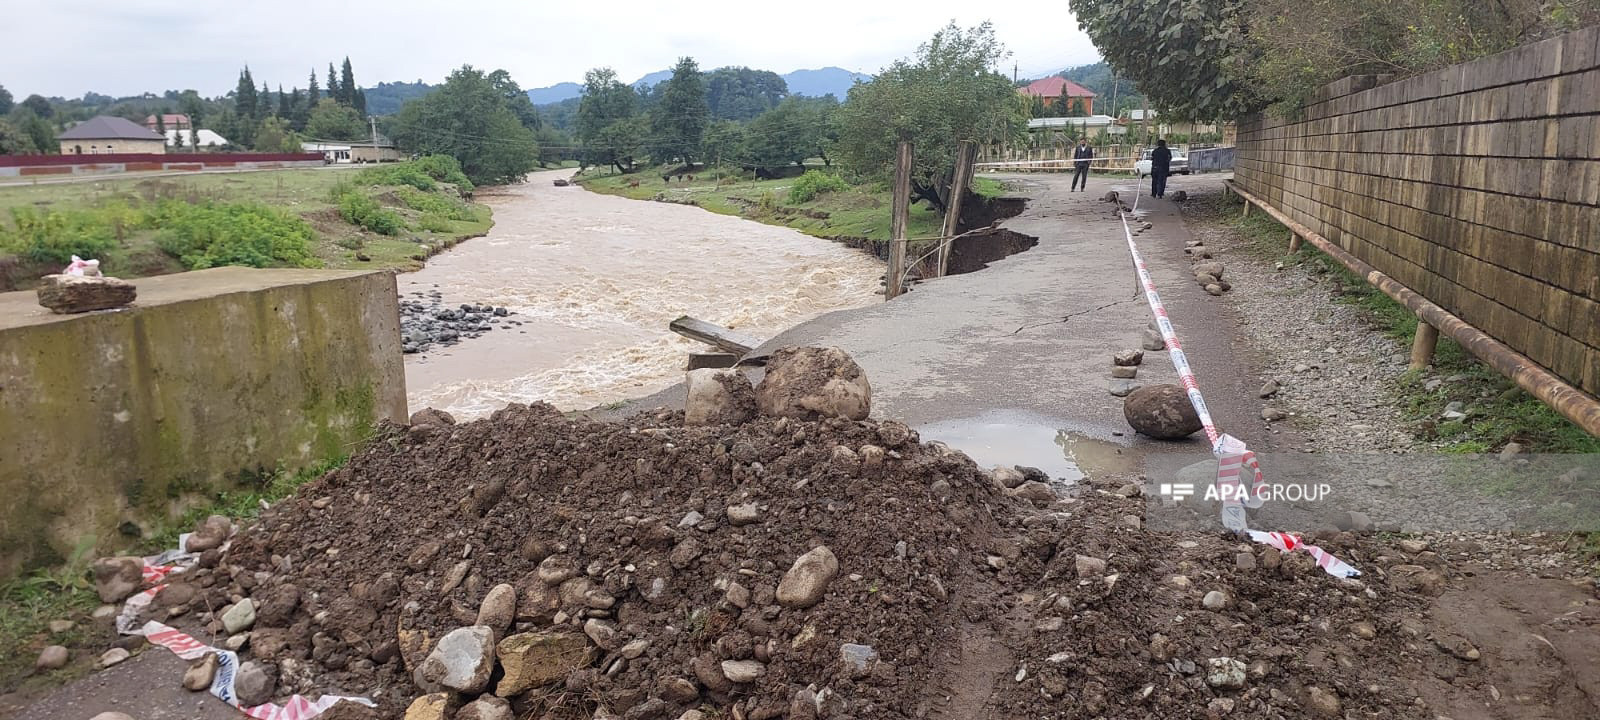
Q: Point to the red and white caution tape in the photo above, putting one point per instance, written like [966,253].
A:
[1233,458]
[187,647]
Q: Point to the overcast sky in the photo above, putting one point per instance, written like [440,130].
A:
[127,47]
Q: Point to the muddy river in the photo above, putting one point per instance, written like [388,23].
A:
[595,279]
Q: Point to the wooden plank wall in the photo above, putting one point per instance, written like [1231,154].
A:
[1477,185]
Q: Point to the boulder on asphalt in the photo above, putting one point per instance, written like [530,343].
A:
[718,397]
[212,532]
[1214,289]
[486,707]
[431,416]
[1122,388]
[536,659]
[461,661]
[807,580]
[66,294]
[1128,357]
[1214,269]
[254,683]
[200,673]
[116,578]
[1152,340]
[1162,412]
[1124,372]
[52,658]
[809,383]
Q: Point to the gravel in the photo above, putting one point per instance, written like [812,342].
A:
[426,323]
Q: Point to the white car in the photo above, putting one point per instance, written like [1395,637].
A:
[1178,166]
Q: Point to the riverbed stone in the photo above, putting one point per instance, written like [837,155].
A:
[52,658]
[1162,412]
[718,397]
[200,673]
[1124,372]
[486,707]
[808,383]
[239,617]
[254,683]
[461,661]
[116,578]
[536,659]
[807,580]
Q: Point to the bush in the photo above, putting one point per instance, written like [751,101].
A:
[433,204]
[444,169]
[211,235]
[814,183]
[405,174]
[54,236]
[434,222]
[359,209]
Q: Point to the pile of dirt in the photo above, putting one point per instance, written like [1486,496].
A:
[787,568]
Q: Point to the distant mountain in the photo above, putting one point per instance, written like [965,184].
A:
[555,93]
[824,81]
[813,83]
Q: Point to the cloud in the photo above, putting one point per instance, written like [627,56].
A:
[135,46]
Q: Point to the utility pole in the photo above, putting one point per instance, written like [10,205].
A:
[952,213]
[897,221]
[374,123]
[1013,73]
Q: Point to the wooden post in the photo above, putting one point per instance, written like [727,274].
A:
[898,221]
[1294,242]
[952,213]
[1246,212]
[1423,344]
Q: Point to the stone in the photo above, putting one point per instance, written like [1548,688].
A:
[461,661]
[1225,672]
[1244,561]
[486,707]
[744,514]
[1162,412]
[1122,388]
[432,416]
[743,671]
[112,716]
[1352,521]
[1215,600]
[1124,372]
[679,690]
[115,578]
[1033,491]
[1269,389]
[1214,269]
[499,608]
[603,633]
[718,397]
[65,294]
[200,673]
[1323,703]
[857,659]
[1511,450]
[1412,547]
[113,656]
[60,626]
[53,657]
[1272,414]
[429,707]
[255,683]
[808,383]
[276,607]
[1128,358]
[1214,289]
[1458,647]
[807,580]
[240,617]
[1151,340]
[1008,477]
[537,659]
[692,715]
[557,569]
[1364,630]
[212,532]
[737,595]
[1089,568]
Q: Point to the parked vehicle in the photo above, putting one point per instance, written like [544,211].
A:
[1179,165]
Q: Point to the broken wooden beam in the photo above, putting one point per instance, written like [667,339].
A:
[719,337]
[718,360]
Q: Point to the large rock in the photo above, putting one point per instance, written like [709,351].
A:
[534,659]
[432,706]
[807,580]
[487,707]
[52,658]
[75,294]
[461,661]
[200,673]
[239,617]
[117,577]
[212,532]
[718,397]
[499,608]
[809,383]
[1161,411]
[254,683]
[431,416]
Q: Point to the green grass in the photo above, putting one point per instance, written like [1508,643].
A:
[1499,412]
[29,603]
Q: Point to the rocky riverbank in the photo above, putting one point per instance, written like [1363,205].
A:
[427,322]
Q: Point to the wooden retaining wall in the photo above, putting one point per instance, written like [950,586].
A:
[1478,186]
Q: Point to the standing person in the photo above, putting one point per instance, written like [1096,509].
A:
[1160,165]
[1080,161]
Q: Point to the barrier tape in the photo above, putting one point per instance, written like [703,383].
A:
[173,562]
[1233,457]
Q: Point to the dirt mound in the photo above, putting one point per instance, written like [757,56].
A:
[652,569]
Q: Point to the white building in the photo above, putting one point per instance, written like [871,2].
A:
[205,139]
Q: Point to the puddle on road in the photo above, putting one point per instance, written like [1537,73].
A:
[1008,438]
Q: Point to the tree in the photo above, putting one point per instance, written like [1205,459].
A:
[333,85]
[1189,58]
[39,105]
[347,84]
[604,103]
[467,119]
[1064,103]
[40,133]
[13,141]
[178,139]
[679,122]
[1037,108]
[264,106]
[1076,108]
[161,122]
[190,103]
[739,93]
[723,143]
[6,103]
[625,141]
[782,136]
[284,109]
[361,102]
[313,93]
[516,100]
[948,93]
[331,121]
[244,96]
[275,136]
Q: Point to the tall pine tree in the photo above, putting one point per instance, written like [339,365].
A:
[680,120]
[313,94]
[333,84]
[283,104]
[264,102]
[347,84]
[244,97]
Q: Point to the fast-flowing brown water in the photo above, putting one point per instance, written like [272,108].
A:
[595,279]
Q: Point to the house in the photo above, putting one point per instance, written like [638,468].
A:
[1050,89]
[1162,127]
[196,139]
[168,121]
[106,134]
[1075,126]
[355,151]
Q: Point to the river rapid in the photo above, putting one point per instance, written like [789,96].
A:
[596,278]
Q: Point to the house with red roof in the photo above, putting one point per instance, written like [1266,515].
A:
[168,121]
[1051,88]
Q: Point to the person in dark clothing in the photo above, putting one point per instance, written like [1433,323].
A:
[1160,166]
[1080,161]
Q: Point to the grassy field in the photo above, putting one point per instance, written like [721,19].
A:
[861,212]
[308,194]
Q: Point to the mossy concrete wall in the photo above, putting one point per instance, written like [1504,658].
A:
[210,380]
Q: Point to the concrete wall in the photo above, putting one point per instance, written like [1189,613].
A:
[14,166]
[210,378]
[1477,185]
[1214,159]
